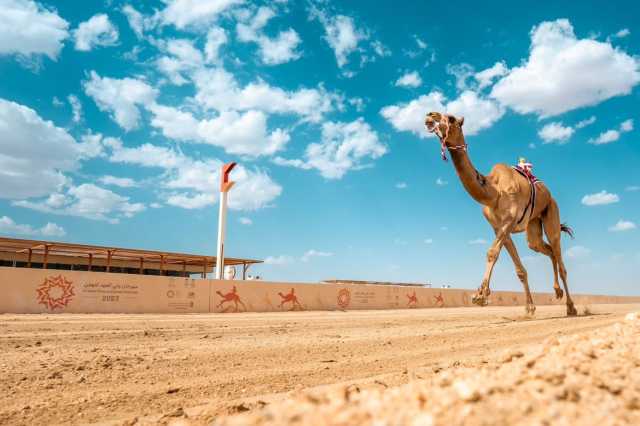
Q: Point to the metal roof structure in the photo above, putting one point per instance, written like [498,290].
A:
[335,281]
[112,259]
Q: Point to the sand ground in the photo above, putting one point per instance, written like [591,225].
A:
[77,369]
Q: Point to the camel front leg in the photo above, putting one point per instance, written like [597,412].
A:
[522,274]
[481,298]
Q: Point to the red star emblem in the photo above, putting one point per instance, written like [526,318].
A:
[55,292]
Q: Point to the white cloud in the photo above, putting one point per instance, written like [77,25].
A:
[441,182]
[409,79]
[485,77]
[380,49]
[600,198]
[27,28]
[117,181]
[195,13]
[478,241]
[632,188]
[278,260]
[238,133]
[34,153]
[309,254]
[137,21]
[463,73]
[587,122]
[216,38]
[577,252]
[428,241]
[626,126]
[622,33]
[76,108]
[273,51]
[52,230]
[91,146]
[97,31]
[341,34]
[613,135]
[606,137]
[184,58]
[401,185]
[217,89]
[9,227]
[479,113]
[623,225]
[86,200]
[556,132]
[245,221]
[120,97]
[563,73]
[343,147]
[193,184]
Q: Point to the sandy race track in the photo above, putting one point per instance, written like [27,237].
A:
[158,368]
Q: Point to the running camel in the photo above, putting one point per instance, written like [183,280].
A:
[511,203]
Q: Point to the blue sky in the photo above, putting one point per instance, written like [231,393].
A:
[115,118]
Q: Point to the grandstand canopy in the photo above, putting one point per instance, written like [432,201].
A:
[58,255]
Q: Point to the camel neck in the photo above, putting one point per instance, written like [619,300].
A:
[476,184]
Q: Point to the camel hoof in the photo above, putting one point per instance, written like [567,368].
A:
[530,309]
[559,293]
[479,300]
[571,311]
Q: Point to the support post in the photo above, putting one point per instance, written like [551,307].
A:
[46,256]
[109,253]
[204,267]
[161,264]
[29,259]
[245,268]
[141,265]
[225,186]
[90,262]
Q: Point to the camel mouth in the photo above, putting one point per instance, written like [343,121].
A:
[430,124]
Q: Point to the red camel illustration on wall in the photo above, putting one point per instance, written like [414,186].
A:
[439,300]
[232,296]
[413,300]
[290,297]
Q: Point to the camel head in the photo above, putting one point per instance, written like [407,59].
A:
[448,128]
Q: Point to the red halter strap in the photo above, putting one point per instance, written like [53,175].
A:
[443,140]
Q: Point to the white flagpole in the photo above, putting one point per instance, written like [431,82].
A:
[225,186]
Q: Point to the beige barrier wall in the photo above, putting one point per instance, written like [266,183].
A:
[37,291]
[48,290]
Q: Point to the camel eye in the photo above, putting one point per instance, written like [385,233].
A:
[452,119]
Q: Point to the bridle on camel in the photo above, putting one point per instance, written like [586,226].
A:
[443,137]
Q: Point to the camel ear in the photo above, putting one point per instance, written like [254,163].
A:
[461,121]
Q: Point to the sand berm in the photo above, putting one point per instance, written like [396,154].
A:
[586,379]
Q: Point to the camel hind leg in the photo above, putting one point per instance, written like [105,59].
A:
[552,229]
[537,243]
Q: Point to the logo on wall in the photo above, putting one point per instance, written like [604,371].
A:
[344,298]
[290,298]
[55,292]
[439,300]
[231,297]
[413,300]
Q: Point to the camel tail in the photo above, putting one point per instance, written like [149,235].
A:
[565,228]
